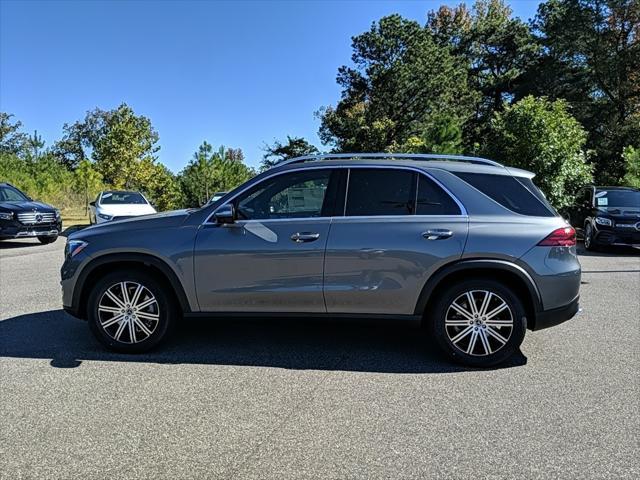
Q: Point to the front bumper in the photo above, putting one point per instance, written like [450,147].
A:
[617,237]
[18,230]
[556,316]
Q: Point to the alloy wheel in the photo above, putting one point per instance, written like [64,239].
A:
[128,312]
[479,322]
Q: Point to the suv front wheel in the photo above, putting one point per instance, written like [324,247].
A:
[479,323]
[130,311]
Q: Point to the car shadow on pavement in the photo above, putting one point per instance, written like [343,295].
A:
[299,344]
[12,244]
[614,251]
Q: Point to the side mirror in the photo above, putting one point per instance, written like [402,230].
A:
[225,214]
[93,204]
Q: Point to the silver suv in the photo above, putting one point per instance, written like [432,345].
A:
[466,246]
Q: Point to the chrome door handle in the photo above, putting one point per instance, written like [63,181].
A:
[304,237]
[437,234]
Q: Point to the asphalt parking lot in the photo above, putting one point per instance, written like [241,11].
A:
[299,399]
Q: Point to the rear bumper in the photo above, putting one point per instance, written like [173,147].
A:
[556,316]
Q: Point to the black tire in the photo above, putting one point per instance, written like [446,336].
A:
[165,306]
[48,239]
[444,333]
[589,241]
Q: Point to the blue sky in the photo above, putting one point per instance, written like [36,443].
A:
[233,73]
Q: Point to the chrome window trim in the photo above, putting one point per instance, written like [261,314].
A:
[463,210]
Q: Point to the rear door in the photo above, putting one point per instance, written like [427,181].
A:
[398,226]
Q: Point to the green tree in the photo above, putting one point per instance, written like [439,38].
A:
[541,136]
[279,152]
[87,181]
[400,81]
[34,145]
[198,176]
[159,184]
[209,172]
[497,48]
[118,141]
[11,139]
[591,58]
[442,135]
[631,158]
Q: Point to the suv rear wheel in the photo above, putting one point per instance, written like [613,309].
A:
[129,311]
[479,323]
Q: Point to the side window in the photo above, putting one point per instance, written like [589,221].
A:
[586,196]
[432,200]
[290,195]
[376,191]
[508,192]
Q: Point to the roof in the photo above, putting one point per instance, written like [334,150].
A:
[618,187]
[120,191]
[452,163]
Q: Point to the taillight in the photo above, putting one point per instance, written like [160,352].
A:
[562,237]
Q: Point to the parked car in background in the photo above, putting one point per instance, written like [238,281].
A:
[118,205]
[22,217]
[607,216]
[217,196]
[466,246]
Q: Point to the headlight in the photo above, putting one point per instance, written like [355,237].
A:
[105,216]
[73,247]
[57,214]
[604,221]
[6,215]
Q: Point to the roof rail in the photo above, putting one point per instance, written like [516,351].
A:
[410,156]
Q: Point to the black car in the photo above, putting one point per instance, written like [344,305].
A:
[21,217]
[608,216]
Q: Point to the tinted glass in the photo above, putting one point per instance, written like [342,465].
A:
[533,188]
[508,192]
[618,198]
[292,195]
[10,194]
[122,198]
[432,200]
[375,191]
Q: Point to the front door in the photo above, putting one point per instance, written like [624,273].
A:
[271,259]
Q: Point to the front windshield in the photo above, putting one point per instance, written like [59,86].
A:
[10,194]
[618,199]
[122,198]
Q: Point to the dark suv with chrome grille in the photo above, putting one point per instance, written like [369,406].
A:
[608,216]
[22,217]
[467,246]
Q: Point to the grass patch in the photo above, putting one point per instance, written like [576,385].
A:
[74,216]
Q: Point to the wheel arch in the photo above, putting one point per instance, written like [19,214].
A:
[111,262]
[512,275]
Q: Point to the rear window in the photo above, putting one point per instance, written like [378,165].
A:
[520,196]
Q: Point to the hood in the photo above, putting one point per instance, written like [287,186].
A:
[26,206]
[174,218]
[126,209]
[619,213]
